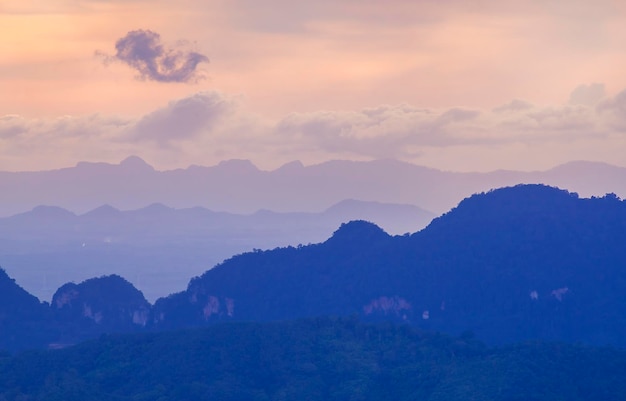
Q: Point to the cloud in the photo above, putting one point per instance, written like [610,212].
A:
[550,123]
[143,51]
[184,118]
[456,115]
[207,127]
[11,126]
[57,141]
[384,131]
[404,131]
[614,111]
[513,106]
[587,95]
[25,130]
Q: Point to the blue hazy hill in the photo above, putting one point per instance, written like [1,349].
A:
[517,263]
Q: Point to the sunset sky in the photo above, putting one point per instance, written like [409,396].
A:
[456,85]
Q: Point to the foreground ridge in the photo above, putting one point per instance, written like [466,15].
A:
[313,359]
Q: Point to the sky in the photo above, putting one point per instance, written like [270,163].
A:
[456,85]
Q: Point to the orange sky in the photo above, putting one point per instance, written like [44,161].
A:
[276,59]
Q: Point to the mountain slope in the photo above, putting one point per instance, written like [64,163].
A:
[317,359]
[516,263]
[158,248]
[22,317]
[105,304]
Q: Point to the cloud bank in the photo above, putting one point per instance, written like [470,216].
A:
[143,51]
[208,127]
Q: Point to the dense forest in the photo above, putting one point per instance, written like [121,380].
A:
[313,359]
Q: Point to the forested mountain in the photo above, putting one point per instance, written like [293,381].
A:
[24,321]
[518,263]
[104,304]
[317,359]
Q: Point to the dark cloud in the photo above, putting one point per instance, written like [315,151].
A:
[143,51]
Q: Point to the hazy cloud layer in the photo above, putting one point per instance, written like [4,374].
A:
[385,131]
[143,51]
[405,132]
[207,127]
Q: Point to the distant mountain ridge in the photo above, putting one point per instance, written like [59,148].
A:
[158,247]
[237,186]
[517,263]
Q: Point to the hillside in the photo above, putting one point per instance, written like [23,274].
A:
[513,264]
[24,321]
[316,359]
[158,248]
[516,263]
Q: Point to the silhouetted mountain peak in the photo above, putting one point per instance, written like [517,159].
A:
[107,300]
[103,211]
[350,206]
[358,230]
[47,212]
[155,209]
[293,166]
[584,165]
[523,199]
[535,213]
[237,166]
[135,163]
[10,292]
[22,316]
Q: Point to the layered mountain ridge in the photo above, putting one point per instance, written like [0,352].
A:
[517,263]
[158,247]
[238,186]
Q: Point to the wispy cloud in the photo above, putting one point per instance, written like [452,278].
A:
[143,51]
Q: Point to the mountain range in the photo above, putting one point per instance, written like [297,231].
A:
[517,263]
[158,248]
[237,186]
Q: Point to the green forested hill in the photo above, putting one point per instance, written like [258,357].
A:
[314,359]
